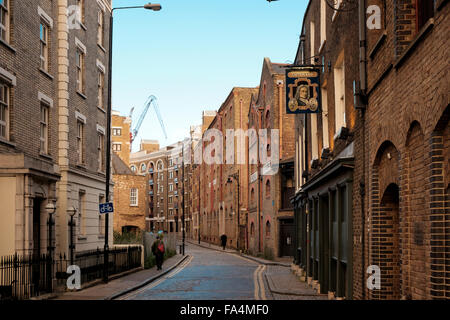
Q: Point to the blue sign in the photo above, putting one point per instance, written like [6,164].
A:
[303,90]
[106,208]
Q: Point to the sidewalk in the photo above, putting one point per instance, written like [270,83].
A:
[281,282]
[106,291]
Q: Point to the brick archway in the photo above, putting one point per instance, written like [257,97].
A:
[385,221]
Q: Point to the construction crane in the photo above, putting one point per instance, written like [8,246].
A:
[151,100]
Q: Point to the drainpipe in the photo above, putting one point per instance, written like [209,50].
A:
[363,87]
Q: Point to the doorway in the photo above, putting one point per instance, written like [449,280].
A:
[286,237]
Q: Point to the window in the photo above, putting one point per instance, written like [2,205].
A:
[323,22]
[171,175]
[117,131]
[268,189]
[170,162]
[339,96]
[170,199]
[44,128]
[252,195]
[101,152]
[44,45]
[4,111]
[133,168]
[81,213]
[143,168]
[80,141]
[170,187]
[117,147]
[81,10]
[170,212]
[100,30]
[268,229]
[4,20]
[133,197]
[314,137]
[325,135]
[80,58]
[312,41]
[252,229]
[424,11]
[100,88]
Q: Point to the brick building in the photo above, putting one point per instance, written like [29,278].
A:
[372,168]
[219,199]
[271,141]
[130,201]
[121,136]
[53,101]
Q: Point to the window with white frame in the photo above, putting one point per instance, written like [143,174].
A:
[81,10]
[44,138]
[80,64]
[100,88]
[117,147]
[133,197]
[101,28]
[82,212]
[170,199]
[170,187]
[80,141]
[117,131]
[170,174]
[4,111]
[4,20]
[101,151]
[44,35]
[339,94]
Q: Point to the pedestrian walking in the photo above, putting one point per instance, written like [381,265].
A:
[223,240]
[158,249]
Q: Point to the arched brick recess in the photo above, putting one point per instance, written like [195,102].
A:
[384,221]
[440,208]
[415,238]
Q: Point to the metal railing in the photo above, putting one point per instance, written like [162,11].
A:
[27,276]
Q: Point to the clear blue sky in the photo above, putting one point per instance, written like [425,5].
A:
[192,53]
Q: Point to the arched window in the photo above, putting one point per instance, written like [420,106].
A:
[133,168]
[267,120]
[252,195]
[252,229]
[268,150]
[268,188]
[268,228]
[143,167]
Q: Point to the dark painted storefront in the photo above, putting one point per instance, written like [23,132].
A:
[323,219]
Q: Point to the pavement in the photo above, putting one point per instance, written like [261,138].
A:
[114,288]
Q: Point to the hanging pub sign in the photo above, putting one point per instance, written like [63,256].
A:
[303,90]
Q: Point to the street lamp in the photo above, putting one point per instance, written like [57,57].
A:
[148,6]
[71,212]
[236,177]
[50,208]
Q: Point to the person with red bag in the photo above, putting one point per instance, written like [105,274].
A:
[158,249]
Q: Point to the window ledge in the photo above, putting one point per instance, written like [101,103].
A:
[9,143]
[101,47]
[101,109]
[81,165]
[101,237]
[8,46]
[81,95]
[82,238]
[378,44]
[133,205]
[48,75]
[45,155]
[82,25]
[420,36]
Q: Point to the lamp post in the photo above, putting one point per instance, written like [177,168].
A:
[50,208]
[236,177]
[71,212]
[148,6]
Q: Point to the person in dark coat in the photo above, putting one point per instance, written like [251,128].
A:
[158,249]
[223,240]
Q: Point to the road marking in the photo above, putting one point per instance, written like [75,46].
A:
[159,281]
[256,282]
[261,283]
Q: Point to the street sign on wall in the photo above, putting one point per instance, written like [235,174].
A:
[303,90]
